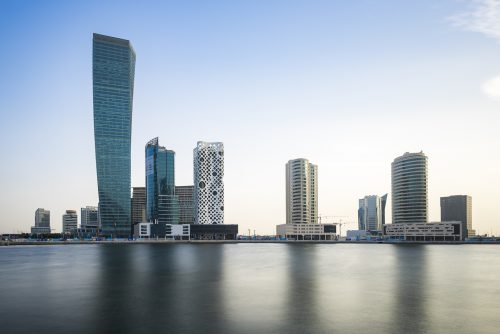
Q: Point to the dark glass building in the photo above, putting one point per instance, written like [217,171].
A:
[162,205]
[113,69]
[458,208]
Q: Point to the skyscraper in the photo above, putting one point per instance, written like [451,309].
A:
[301,192]
[409,188]
[458,208]
[208,163]
[89,217]
[162,205]
[69,222]
[138,204]
[186,204]
[371,215]
[113,71]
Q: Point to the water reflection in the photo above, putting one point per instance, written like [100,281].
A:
[409,311]
[249,289]
[301,306]
[160,287]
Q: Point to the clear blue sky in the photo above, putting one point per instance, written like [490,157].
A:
[349,85]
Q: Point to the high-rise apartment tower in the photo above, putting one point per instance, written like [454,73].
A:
[409,188]
[208,163]
[301,192]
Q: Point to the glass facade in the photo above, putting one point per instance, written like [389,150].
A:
[113,69]
[161,203]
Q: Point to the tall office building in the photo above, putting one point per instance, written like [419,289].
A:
[69,222]
[42,222]
[371,215]
[458,208]
[138,204]
[162,205]
[208,162]
[186,204]
[301,192]
[113,71]
[89,217]
[409,188]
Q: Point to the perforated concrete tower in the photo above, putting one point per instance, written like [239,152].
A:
[208,162]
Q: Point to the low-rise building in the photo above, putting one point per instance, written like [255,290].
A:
[434,231]
[185,231]
[42,222]
[307,231]
[361,235]
[69,222]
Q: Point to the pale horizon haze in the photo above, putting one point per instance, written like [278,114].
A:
[348,85]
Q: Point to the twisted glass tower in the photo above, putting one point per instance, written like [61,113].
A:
[113,67]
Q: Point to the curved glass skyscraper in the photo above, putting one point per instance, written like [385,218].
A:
[409,188]
[113,67]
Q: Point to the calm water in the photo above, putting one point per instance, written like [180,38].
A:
[257,288]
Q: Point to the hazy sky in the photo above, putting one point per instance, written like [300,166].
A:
[350,85]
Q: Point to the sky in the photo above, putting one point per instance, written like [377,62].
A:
[349,85]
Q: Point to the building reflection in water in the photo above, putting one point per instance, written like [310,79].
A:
[409,293]
[160,287]
[301,307]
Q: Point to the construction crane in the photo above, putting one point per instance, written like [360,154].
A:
[340,223]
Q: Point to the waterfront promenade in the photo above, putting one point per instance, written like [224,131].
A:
[19,242]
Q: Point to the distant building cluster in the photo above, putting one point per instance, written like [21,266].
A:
[409,207]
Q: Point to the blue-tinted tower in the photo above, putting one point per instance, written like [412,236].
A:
[162,205]
[113,69]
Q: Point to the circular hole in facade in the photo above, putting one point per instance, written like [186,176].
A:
[214,173]
[202,159]
[215,193]
[222,208]
[202,184]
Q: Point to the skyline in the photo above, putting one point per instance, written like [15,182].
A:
[275,103]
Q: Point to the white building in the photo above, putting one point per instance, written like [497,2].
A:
[409,188]
[208,162]
[435,231]
[307,231]
[371,213]
[301,192]
[69,222]
[162,231]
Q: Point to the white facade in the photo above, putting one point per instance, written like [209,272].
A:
[307,231]
[435,231]
[409,188]
[171,231]
[69,221]
[143,230]
[301,192]
[208,162]
[177,231]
